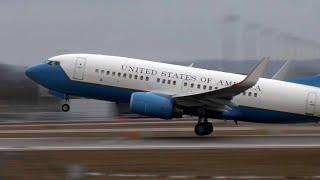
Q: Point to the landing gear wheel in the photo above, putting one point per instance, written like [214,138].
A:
[65,107]
[200,129]
[203,127]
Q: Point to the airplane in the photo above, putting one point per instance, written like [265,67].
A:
[169,91]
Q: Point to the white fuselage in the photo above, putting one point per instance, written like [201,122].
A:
[142,75]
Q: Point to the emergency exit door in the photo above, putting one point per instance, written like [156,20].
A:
[311,103]
[80,66]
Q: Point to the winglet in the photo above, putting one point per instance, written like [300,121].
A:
[231,91]
[255,74]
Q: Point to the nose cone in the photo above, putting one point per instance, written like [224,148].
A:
[34,72]
[48,76]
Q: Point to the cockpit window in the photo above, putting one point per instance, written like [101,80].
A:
[53,63]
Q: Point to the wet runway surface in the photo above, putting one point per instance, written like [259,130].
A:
[160,143]
[152,149]
[152,135]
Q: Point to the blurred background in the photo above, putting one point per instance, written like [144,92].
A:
[224,35]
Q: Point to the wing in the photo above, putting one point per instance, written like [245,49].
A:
[219,100]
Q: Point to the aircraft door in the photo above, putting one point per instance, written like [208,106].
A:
[311,103]
[80,66]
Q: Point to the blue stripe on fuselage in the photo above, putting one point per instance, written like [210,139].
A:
[252,114]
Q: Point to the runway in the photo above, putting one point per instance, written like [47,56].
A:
[153,149]
[219,142]
[152,135]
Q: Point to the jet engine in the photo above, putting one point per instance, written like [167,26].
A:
[149,104]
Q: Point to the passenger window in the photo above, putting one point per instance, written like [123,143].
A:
[255,94]
[210,88]
[130,76]
[124,75]
[113,73]
[169,82]
[108,72]
[163,81]
[174,82]
[119,74]
[97,70]
[135,76]
[147,78]
[141,77]
[244,93]
[102,72]
[249,94]
[191,85]
[185,84]
[198,86]
[215,87]
[158,79]
[204,87]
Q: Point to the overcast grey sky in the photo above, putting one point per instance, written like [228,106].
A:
[32,31]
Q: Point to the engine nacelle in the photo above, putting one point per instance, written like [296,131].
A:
[152,105]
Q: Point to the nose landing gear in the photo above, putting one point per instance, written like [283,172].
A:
[65,107]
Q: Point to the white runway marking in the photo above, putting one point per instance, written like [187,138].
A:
[162,176]
[133,175]
[156,147]
[96,123]
[119,130]
[127,175]
[29,144]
